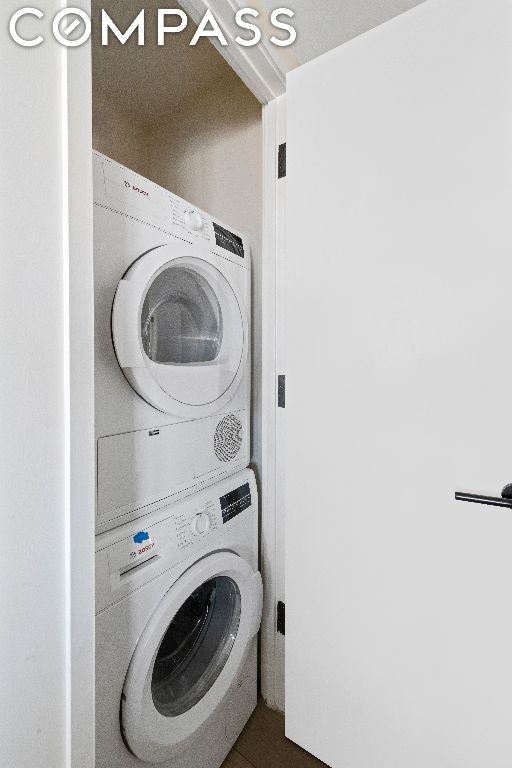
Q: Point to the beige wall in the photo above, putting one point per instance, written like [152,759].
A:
[208,151]
[118,135]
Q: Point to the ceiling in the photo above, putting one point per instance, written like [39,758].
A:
[324,24]
[152,85]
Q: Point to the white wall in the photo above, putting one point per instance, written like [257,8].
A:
[37,481]
[33,595]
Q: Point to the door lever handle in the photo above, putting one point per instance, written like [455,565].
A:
[505,500]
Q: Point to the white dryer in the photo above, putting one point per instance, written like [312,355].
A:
[178,608]
[172,341]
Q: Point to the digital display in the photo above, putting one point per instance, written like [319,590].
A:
[227,240]
[235,502]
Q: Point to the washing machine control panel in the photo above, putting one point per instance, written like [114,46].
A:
[208,517]
[197,524]
[136,553]
[205,520]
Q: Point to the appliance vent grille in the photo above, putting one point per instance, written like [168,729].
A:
[228,438]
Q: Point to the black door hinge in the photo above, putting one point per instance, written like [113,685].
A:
[281,391]
[281,161]
[280,617]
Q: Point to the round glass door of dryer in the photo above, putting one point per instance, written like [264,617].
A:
[188,658]
[181,319]
[180,332]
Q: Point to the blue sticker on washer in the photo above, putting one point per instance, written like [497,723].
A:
[141,537]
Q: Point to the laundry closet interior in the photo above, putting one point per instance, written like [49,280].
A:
[177,174]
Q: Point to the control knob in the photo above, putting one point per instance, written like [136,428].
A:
[200,524]
[193,220]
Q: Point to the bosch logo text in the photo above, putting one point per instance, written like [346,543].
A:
[146,548]
[136,189]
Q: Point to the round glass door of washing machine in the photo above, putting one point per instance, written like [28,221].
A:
[196,646]
[188,658]
[179,331]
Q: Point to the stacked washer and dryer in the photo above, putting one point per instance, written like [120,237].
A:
[178,592]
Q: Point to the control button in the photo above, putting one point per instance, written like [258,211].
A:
[200,524]
[193,220]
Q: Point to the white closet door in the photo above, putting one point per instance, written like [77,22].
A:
[399,392]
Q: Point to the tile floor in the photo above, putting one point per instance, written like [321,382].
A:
[262,744]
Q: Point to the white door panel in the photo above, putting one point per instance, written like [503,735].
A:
[399,255]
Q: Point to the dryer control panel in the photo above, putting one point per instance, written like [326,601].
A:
[127,192]
[131,555]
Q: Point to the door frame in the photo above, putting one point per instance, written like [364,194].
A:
[263,67]
[80,472]
[272,480]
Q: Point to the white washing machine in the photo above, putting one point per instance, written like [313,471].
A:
[172,340]
[178,608]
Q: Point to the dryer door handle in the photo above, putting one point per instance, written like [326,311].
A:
[126,323]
